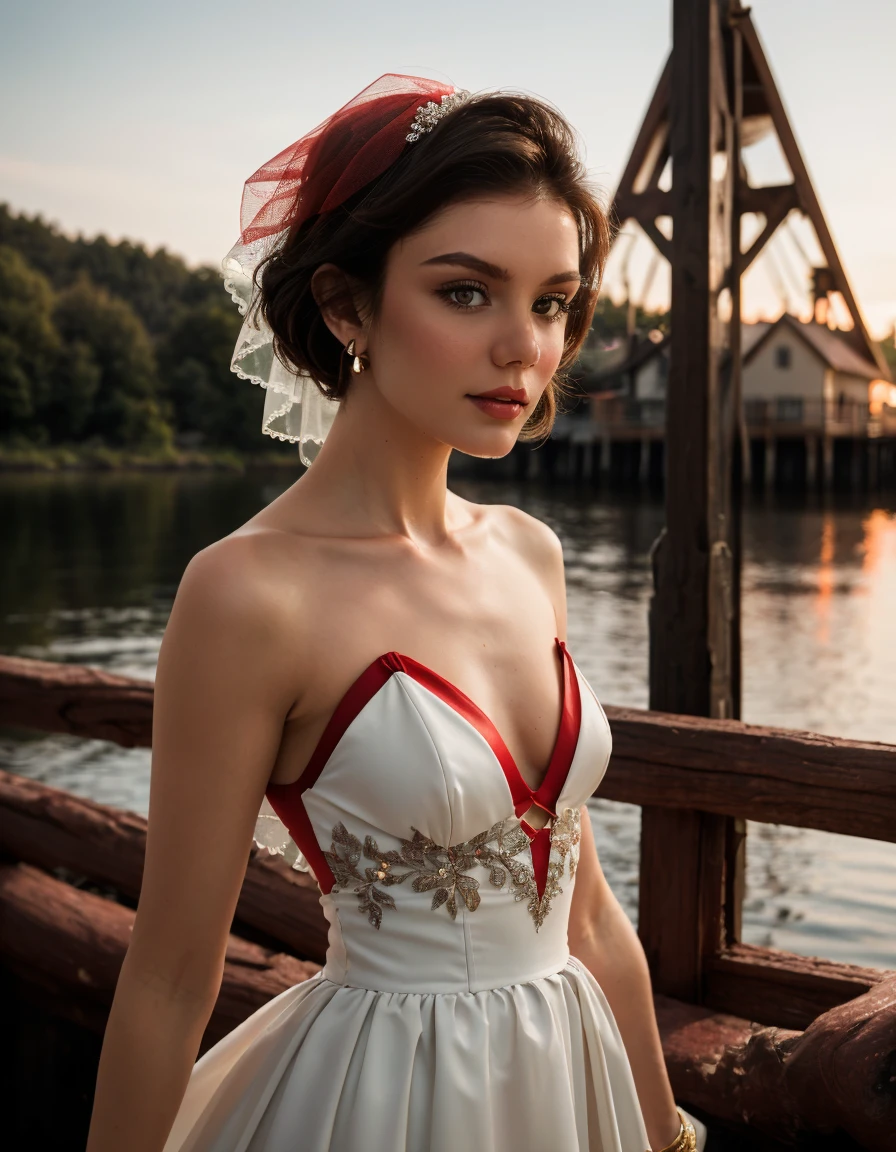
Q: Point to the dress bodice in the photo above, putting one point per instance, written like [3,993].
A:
[411,816]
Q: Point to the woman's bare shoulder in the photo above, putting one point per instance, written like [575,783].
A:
[536,541]
[241,600]
[241,574]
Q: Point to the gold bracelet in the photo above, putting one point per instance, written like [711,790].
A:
[686,1140]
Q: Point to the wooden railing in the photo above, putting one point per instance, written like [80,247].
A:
[701,769]
[770,775]
[836,417]
[775,415]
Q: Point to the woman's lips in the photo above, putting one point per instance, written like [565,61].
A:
[496,408]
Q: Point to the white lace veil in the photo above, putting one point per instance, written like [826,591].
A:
[272,833]
[295,409]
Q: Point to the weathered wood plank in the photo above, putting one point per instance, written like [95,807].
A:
[781,988]
[72,943]
[834,1078]
[77,700]
[650,140]
[51,829]
[771,775]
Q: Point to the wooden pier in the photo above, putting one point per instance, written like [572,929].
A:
[623,447]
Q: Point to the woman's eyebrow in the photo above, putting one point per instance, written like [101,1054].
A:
[564,278]
[465,260]
[475,264]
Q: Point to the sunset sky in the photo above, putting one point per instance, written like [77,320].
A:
[143,121]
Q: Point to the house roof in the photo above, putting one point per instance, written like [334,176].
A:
[751,334]
[642,351]
[826,343]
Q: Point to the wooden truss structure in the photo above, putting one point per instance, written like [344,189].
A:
[748,105]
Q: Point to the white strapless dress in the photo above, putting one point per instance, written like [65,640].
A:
[450,1015]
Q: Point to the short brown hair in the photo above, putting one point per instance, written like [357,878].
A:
[490,144]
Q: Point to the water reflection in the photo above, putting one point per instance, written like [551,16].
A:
[819,894]
[92,564]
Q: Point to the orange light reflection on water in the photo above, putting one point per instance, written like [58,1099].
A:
[825,579]
[878,540]
[879,534]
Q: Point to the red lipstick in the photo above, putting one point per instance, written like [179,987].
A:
[501,403]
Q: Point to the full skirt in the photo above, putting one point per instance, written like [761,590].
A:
[324,1067]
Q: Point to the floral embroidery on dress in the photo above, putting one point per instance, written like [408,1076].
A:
[566,833]
[445,871]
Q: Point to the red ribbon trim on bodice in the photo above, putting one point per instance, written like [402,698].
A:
[287,799]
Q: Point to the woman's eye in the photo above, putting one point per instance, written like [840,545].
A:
[550,306]
[466,296]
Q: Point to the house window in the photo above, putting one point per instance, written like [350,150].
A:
[782,356]
[790,409]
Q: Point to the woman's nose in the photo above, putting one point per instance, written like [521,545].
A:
[517,345]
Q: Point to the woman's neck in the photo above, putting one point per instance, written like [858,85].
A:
[377,474]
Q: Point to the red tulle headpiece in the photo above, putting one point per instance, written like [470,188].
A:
[338,157]
[316,174]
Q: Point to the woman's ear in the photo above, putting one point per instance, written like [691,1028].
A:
[340,299]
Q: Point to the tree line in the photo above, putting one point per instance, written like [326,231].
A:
[111,344]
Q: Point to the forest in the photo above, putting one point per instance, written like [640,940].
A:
[109,344]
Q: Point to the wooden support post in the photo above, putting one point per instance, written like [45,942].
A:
[811,461]
[828,462]
[733,423]
[855,464]
[746,456]
[588,460]
[605,450]
[694,640]
[770,462]
[644,460]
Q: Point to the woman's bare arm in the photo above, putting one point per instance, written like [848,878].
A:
[225,683]
[602,937]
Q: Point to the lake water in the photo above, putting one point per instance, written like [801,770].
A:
[91,564]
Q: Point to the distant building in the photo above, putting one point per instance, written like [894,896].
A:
[797,379]
[814,409]
[806,377]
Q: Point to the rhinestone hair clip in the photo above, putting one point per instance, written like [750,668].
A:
[429,114]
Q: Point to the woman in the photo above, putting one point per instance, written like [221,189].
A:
[425,266]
